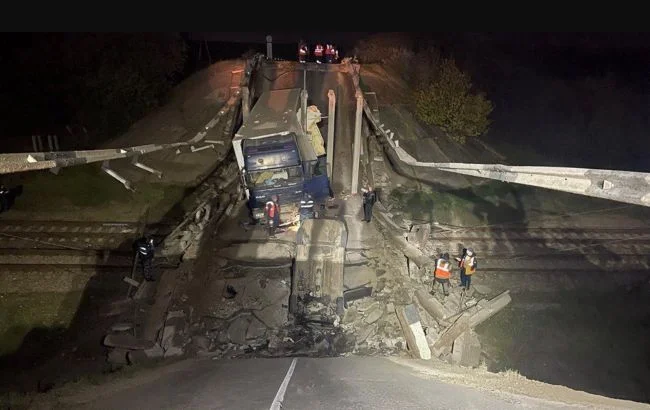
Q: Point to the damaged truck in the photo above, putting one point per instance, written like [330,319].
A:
[276,156]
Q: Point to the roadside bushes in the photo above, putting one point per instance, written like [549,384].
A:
[448,101]
[443,94]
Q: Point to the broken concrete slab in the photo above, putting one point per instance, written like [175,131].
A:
[357,276]
[117,356]
[413,333]
[174,351]
[154,352]
[274,316]
[374,314]
[365,332]
[351,315]
[258,252]
[466,350]
[238,328]
[256,329]
[121,327]
[127,341]
[260,293]
[355,258]
[201,342]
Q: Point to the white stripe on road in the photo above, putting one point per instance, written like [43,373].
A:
[279,396]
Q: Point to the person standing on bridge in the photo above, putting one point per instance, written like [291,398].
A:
[318,53]
[306,207]
[145,249]
[467,264]
[329,54]
[369,199]
[303,52]
[272,211]
[442,274]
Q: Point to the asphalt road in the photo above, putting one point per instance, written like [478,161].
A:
[336,383]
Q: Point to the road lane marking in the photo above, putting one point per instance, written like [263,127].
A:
[279,396]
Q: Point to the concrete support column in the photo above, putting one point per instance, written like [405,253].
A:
[245,102]
[303,109]
[356,154]
[331,113]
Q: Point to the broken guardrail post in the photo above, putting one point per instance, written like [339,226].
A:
[140,165]
[269,47]
[106,168]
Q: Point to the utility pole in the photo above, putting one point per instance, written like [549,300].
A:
[269,47]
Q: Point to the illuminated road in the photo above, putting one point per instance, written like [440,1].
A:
[339,383]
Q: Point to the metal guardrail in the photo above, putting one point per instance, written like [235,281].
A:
[622,186]
[33,161]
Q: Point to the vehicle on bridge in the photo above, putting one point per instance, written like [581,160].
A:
[276,157]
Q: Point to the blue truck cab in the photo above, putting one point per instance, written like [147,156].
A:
[275,156]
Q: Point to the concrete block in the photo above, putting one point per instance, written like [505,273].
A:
[466,350]
[413,332]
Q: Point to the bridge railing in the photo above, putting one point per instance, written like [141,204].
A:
[623,186]
[54,160]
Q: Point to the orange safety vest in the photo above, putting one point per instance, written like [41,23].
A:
[443,269]
[272,208]
[468,263]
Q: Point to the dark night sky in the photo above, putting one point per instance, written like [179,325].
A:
[534,79]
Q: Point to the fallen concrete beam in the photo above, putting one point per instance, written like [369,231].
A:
[126,341]
[432,306]
[485,309]
[460,326]
[413,332]
[397,238]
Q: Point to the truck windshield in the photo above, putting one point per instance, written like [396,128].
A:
[278,177]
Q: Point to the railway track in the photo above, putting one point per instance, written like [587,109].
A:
[540,249]
[74,235]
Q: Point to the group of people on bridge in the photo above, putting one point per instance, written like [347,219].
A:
[330,53]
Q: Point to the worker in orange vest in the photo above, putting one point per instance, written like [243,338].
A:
[318,53]
[467,264]
[329,54]
[272,211]
[442,274]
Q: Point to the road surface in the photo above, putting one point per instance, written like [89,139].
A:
[310,383]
